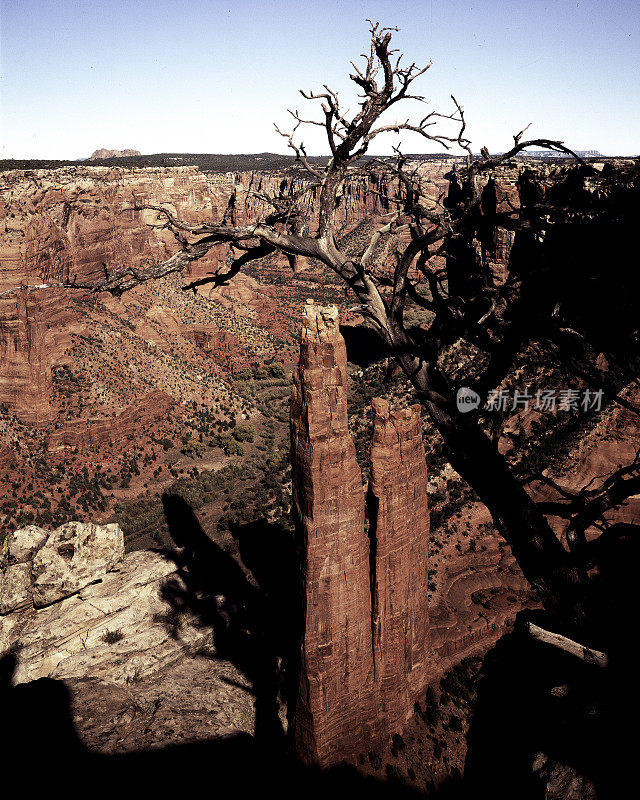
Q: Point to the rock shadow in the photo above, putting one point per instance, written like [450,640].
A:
[39,744]
[548,726]
[215,589]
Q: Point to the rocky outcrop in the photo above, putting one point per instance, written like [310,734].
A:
[363,649]
[38,568]
[94,431]
[127,654]
[104,153]
[223,347]
[398,531]
[106,622]
[336,672]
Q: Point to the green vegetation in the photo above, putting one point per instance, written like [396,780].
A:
[244,432]
[193,449]
[233,448]
[244,490]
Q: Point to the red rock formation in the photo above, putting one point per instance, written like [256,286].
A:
[95,431]
[336,674]
[60,223]
[361,667]
[223,347]
[398,531]
[75,221]
[25,366]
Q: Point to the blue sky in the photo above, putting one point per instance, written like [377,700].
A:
[197,76]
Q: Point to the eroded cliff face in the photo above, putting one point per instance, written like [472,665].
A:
[398,531]
[77,223]
[25,358]
[90,432]
[364,638]
[70,223]
[74,221]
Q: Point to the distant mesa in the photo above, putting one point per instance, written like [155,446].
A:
[104,153]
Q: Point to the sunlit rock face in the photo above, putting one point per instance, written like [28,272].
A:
[71,224]
[363,644]
[25,358]
[38,567]
[74,608]
[336,675]
[78,224]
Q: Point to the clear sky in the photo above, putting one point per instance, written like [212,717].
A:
[205,76]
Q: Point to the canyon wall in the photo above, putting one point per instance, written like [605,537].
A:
[25,365]
[77,222]
[363,649]
[90,432]
[58,224]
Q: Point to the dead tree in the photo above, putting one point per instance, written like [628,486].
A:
[438,271]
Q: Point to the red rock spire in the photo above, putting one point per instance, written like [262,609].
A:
[361,667]
[336,674]
[398,530]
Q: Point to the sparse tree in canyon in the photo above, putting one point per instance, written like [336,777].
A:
[566,297]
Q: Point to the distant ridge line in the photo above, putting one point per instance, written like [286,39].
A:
[241,162]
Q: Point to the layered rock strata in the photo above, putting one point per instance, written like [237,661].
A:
[336,670]
[117,639]
[94,431]
[363,647]
[398,532]
[77,224]
[25,362]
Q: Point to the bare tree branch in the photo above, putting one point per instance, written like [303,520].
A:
[586,654]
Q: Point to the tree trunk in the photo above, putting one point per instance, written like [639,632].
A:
[550,569]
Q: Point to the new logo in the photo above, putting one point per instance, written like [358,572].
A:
[467,400]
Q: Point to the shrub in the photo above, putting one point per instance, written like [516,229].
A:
[276,370]
[220,440]
[193,449]
[397,741]
[233,448]
[244,432]
[111,637]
